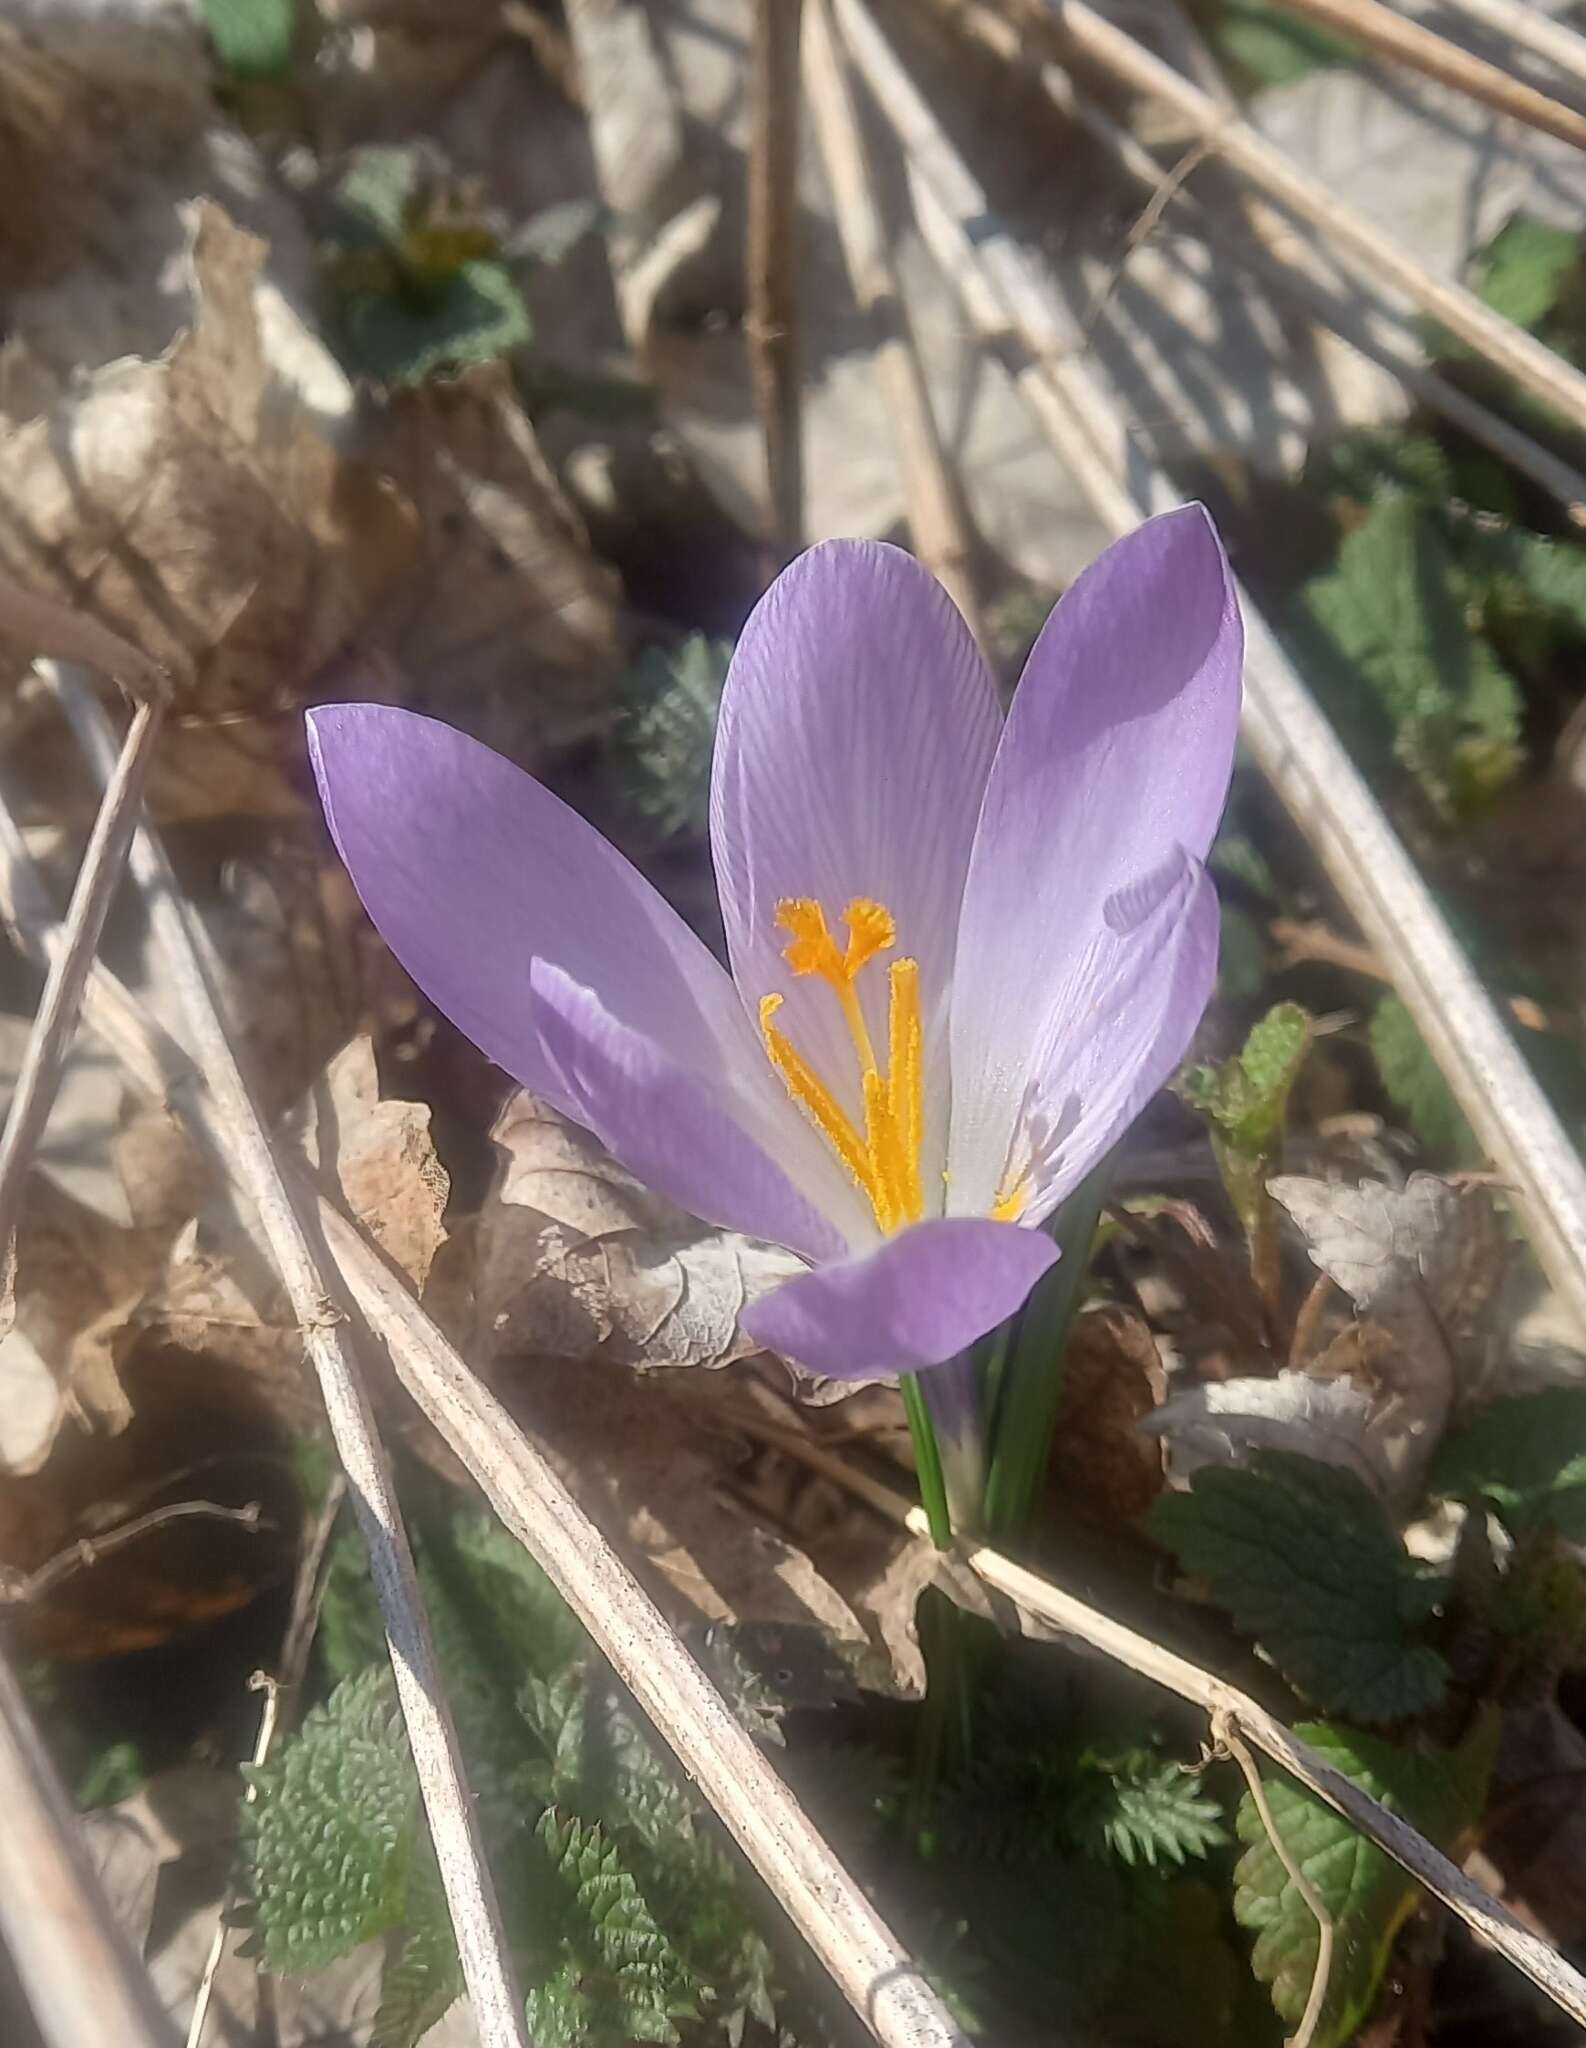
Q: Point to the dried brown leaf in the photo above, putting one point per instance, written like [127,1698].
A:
[506,617]
[575,1258]
[383,1159]
[193,505]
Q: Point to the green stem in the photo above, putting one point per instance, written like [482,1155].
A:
[1032,1377]
[927,1462]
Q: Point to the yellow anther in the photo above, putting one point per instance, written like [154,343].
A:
[871,930]
[810,949]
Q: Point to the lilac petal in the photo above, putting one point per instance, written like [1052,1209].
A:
[916,1301]
[667,1127]
[1113,768]
[472,871]
[857,730]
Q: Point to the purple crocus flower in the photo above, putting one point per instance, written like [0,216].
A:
[965,949]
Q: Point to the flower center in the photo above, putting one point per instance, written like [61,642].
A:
[884,1158]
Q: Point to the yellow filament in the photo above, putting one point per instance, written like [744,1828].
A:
[812,1095]
[885,1160]
[906,1072]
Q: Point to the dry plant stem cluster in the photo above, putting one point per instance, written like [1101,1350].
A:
[1011,300]
[289,1231]
[97,881]
[1380,257]
[936,518]
[870,1967]
[1289,260]
[82,1980]
[1434,56]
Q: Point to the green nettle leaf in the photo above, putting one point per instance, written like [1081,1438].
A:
[1305,1559]
[613,1976]
[1367,1895]
[252,38]
[1525,1456]
[1143,1809]
[1394,612]
[1245,1100]
[669,699]
[424,1978]
[1526,270]
[328,1842]
[1416,1084]
[1362,465]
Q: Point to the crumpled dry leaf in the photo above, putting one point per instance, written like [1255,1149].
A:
[383,1158]
[1424,1266]
[1223,1421]
[1112,1380]
[194,505]
[78,1280]
[576,1258]
[506,618]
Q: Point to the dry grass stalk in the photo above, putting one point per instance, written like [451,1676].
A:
[98,879]
[772,325]
[1422,49]
[290,1232]
[936,517]
[1525,23]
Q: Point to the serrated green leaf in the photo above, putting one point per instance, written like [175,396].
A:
[1365,1892]
[667,731]
[1304,1557]
[1361,466]
[1394,613]
[1526,268]
[1416,1085]
[423,1979]
[1143,1809]
[1525,1455]
[1246,1100]
[252,38]
[328,1841]
[631,1984]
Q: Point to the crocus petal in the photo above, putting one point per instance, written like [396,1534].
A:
[472,871]
[1113,768]
[857,730]
[1150,989]
[670,1130]
[916,1301]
